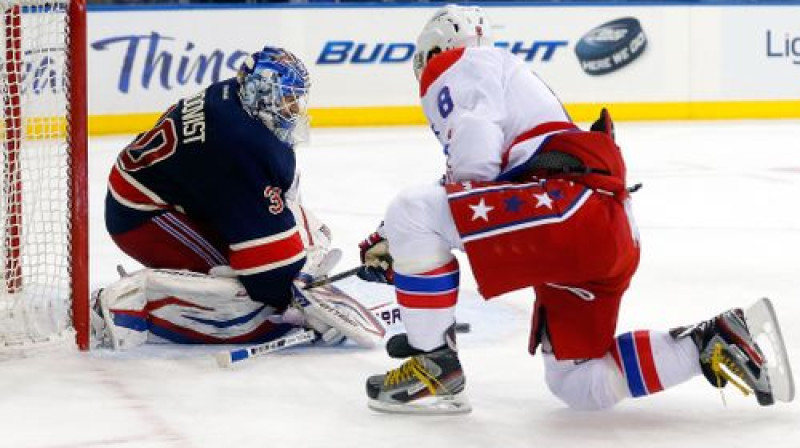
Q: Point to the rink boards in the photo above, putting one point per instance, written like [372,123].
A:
[647,61]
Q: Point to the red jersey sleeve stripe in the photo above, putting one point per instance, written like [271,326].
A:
[445,299]
[265,254]
[437,288]
[647,362]
[448,268]
[436,66]
[131,193]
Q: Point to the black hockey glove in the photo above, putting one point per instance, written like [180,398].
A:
[604,124]
[375,257]
[376,275]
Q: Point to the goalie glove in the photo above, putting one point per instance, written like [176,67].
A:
[321,257]
[297,315]
[375,258]
[334,315]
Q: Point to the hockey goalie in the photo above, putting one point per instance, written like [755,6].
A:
[208,202]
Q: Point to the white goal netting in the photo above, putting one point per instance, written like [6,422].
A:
[35,296]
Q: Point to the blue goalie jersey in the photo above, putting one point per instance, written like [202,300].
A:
[210,160]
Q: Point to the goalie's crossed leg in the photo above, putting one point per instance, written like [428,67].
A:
[161,305]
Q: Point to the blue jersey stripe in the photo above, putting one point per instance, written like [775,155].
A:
[630,362]
[424,284]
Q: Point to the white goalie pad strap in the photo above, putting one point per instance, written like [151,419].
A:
[337,309]
[122,304]
[180,301]
[763,325]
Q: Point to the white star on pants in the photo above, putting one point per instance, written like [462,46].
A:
[481,210]
[543,200]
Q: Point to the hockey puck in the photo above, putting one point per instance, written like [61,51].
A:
[611,46]
[463,327]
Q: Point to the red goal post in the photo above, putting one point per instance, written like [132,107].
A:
[44,268]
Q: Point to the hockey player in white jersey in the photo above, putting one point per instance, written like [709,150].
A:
[535,202]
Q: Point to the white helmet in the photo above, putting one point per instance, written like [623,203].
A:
[451,27]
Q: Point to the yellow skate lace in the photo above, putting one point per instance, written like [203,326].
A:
[724,367]
[412,368]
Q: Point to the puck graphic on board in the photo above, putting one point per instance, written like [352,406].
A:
[611,46]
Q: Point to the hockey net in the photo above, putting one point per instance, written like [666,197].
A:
[43,261]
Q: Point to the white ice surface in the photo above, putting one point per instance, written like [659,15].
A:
[720,221]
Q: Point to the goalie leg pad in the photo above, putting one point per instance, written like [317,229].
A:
[122,307]
[184,307]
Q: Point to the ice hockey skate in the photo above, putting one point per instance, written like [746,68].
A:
[729,352]
[427,383]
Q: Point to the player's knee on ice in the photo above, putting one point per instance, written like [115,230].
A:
[589,385]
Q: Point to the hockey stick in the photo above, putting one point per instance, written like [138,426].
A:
[228,358]
[322,281]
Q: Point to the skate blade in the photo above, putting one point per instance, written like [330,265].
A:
[763,326]
[436,405]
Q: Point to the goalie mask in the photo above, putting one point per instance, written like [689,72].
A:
[451,27]
[273,87]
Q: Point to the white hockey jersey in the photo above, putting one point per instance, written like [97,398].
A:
[479,100]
